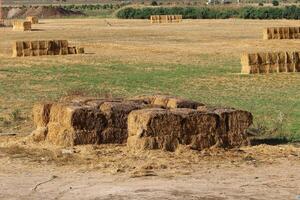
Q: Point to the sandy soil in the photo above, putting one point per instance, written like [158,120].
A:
[39,171]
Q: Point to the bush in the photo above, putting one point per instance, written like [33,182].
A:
[260,4]
[275,3]
[289,12]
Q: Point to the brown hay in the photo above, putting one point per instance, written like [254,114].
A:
[21,26]
[32,19]
[281,33]
[271,62]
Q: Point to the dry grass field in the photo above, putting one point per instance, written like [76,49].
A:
[196,59]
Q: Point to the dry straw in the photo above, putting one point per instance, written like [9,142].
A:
[270,62]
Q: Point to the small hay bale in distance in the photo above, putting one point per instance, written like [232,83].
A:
[21,25]
[32,19]
[270,62]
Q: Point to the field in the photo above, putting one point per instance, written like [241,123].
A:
[196,59]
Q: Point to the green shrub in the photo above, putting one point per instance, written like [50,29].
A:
[275,3]
[289,12]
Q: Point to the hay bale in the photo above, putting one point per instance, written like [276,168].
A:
[32,19]
[165,101]
[74,125]
[233,126]
[72,50]
[17,49]
[21,26]
[164,129]
[80,50]
[270,62]
[153,128]
[41,114]
[117,114]
[165,18]
[281,33]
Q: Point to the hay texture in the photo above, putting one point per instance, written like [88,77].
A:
[21,26]
[32,19]
[157,128]
[270,62]
[165,18]
[281,33]
[150,122]
[42,48]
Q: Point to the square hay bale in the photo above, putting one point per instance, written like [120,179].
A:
[80,50]
[64,51]
[32,19]
[182,103]
[35,52]
[35,45]
[26,45]
[72,50]
[74,125]
[22,26]
[27,52]
[233,126]
[41,114]
[17,49]
[157,128]
[153,128]
[43,52]
[267,33]
[43,44]
[64,43]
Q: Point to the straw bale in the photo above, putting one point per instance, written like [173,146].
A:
[233,126]
[41,114]
[32,19]
[73,125]
[17,49]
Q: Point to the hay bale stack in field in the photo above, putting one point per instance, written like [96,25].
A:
[41,48]
[144,123]
[32,19]
[21,25]
[281,33]
[166,128]
[271,62]
[165,18]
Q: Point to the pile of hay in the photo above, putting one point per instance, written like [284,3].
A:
[43,47]
[281,33]
[165,18]
[155,122]
[271,62]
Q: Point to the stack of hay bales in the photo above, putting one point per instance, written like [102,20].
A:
[156,122]
[42,47]
[271,62]
[21,25]
[281,33]
[165,18]
[32,19]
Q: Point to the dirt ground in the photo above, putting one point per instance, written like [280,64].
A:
[40,171]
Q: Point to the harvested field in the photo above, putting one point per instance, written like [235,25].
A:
[195,59]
